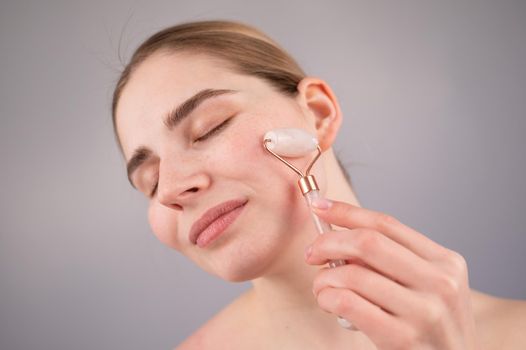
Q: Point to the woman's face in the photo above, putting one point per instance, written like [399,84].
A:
[194,172]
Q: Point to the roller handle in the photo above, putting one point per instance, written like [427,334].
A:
[323,227]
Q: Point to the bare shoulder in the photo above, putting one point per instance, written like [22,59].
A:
[501,323]
[229,329]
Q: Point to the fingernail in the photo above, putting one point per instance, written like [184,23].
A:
[308,251]
[321,203]
[314,293]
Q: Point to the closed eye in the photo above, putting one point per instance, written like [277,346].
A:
[154,189]
[214,131]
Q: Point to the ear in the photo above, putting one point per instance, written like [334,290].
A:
[318,101]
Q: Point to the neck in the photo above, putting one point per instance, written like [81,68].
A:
[284,299]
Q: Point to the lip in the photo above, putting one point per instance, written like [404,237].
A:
[211,215]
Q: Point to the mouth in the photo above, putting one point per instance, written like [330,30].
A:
[215,221]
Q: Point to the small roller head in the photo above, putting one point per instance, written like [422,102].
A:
[290,142]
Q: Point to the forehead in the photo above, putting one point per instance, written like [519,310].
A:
[163,81]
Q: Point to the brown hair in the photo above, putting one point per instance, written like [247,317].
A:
[245,49]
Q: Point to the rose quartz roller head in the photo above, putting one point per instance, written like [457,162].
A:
[295,143]
[290,142]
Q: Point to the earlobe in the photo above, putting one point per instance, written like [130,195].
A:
[318,100]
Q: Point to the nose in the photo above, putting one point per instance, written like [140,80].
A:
[179,185]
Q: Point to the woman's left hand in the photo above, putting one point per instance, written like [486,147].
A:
[401,289]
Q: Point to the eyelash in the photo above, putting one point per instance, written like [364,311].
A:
[212,132]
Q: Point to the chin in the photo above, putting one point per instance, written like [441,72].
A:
[236,271]
[245,263]
[238,276]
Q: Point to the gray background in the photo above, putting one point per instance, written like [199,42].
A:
[434,101]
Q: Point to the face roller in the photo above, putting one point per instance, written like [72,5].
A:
[294,143]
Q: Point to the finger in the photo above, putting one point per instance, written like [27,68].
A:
[350,216]
[377,289]
[367,317]
[384,255]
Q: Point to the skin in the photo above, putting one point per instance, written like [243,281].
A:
[401,289]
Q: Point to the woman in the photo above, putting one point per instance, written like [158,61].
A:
[190,111]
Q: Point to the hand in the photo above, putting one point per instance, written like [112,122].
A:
[401,289]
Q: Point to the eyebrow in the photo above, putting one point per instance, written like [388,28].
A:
[171,120]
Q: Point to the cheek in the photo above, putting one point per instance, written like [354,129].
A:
[273,183]
[164,225]
[238,156]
